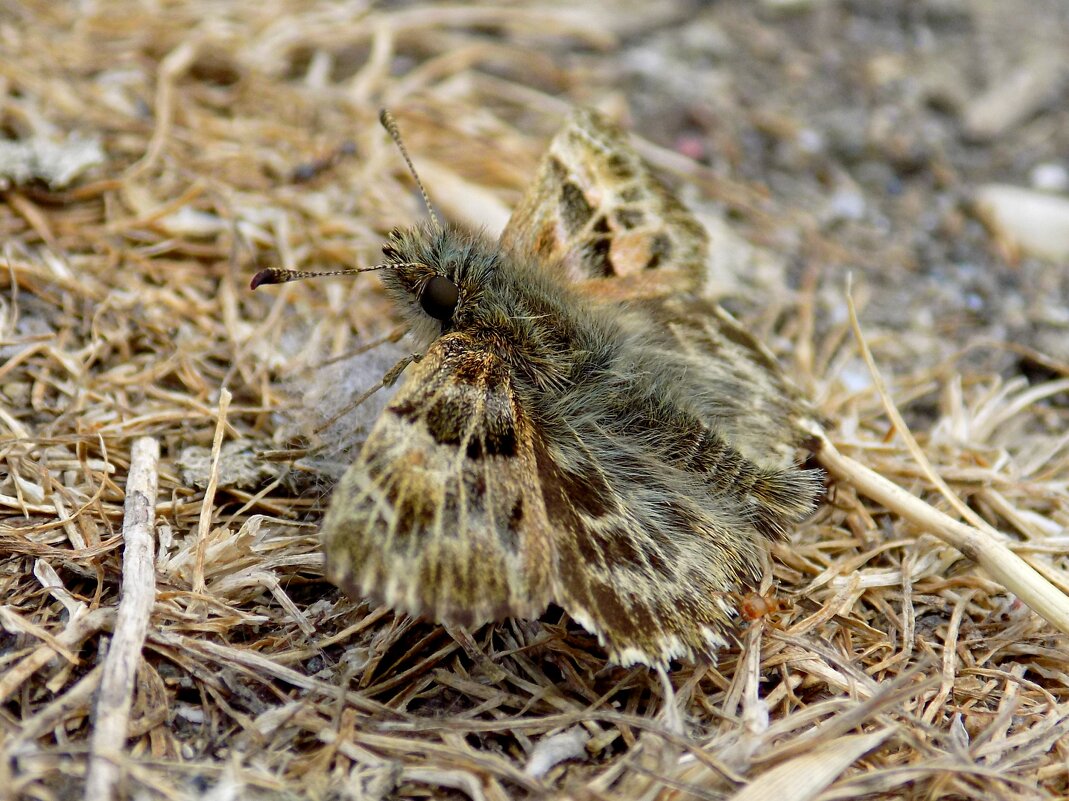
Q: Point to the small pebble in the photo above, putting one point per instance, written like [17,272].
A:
[1049,177]
[809,141]
[846,203]
[1034,223]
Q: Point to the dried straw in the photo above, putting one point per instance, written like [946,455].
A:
[244,136]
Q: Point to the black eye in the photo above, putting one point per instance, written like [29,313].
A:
[439,298]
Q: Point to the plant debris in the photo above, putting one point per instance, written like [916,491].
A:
[822,137]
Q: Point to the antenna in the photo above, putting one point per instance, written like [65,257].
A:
[390,124]
[278,275]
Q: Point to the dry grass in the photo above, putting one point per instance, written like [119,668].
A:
[245,136]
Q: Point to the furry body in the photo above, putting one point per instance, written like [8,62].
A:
[550,446]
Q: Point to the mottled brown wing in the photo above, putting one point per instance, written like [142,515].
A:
[649,560]
[440,515]
[597,212]
[737,382]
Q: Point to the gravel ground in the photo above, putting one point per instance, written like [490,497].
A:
[875,125]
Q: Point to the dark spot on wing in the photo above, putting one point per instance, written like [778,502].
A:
[632,194]
[745,340]
[516,515]
[621,167]
[626,622]
[574,208]
[414,513]
[679,520]
[657,561]
[445,421]
[475,487]
[630,218]
[471,365]
[598,259]
[620,549]
[499,440]
[693,228]
[587,492]
[451,504]
[494,434]
[508,530]
[660,252]
[565,493]
[643,617]
[390,490]
[406,409]
[615,614]
[447,412]
[589,553]
[429,576]
[601,226]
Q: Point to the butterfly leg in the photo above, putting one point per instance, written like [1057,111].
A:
[395,372]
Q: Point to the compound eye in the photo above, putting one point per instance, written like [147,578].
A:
[439,298]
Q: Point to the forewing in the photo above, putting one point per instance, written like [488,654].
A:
[440,514]
[597,212]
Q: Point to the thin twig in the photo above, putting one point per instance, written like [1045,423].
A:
[205,521]
[976,542]
[135,607]
[899,423]
[1006,567]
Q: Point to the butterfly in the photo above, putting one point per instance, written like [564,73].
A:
[580,424]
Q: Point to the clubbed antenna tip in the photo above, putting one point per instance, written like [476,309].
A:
[264,277]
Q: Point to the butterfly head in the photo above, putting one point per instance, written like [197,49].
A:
[433,273]
[437,276]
